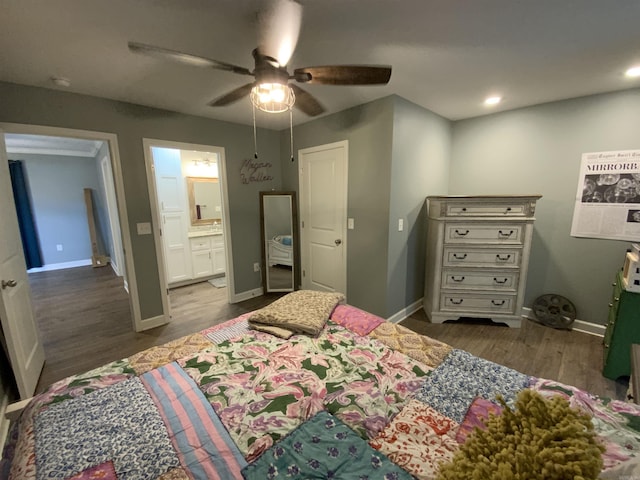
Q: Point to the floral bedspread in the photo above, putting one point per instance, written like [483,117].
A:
[229,402]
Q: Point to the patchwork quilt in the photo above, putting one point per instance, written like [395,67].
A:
[362,399]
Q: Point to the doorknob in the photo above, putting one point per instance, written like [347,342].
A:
[338,241]
[8,283]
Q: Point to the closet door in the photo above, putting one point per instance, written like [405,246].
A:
[172,201]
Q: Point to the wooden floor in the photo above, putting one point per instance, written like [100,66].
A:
[84,320]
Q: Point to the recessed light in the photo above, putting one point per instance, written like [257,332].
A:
[61,81]
[492,100]
[633,72]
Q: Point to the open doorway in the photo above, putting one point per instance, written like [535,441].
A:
[106,187]
[188,188]
[57,177]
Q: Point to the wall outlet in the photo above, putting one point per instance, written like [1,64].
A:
[256,267]
[143,228]
[59,247]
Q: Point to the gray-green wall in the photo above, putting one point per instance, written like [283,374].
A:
[398,154]
[419,167]
[56,186]
[368,129]
[131,123]
[538,150]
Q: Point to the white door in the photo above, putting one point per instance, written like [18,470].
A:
[323,207]
[25,350]
[174,219]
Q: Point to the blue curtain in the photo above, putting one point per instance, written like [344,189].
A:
[28,232]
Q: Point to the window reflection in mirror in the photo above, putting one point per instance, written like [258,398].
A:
[204,200]
[279,237]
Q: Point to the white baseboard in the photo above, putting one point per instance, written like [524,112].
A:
[60,266]
[578,325]
[405,312]
[241,297]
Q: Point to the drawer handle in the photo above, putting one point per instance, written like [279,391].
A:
[606,345]
[461,257]
[505,235]
[461,279]
[464,209]
[499,257]
[507,210]
[498,304]
[610,305]
[615,299]
[499,281]
[456,303]
[462,234]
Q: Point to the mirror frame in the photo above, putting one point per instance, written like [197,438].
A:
[294,233]
[192,200]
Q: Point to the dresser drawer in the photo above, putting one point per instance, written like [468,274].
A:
[471,209]
[481,257]
[483,233]
[477,303]
[458,279]
[200,243]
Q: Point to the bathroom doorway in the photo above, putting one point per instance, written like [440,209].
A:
[188,187]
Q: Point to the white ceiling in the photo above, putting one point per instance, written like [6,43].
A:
[447,55]
[46,145]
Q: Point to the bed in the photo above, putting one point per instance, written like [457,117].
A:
[281,250]
[350,397]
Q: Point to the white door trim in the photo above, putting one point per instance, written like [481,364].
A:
[112,141]
[112,208]
[148,143]
[303,210]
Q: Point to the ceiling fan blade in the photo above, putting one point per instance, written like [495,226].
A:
[306,102]
[232,96]
[278,29]
[344,74]
[186,58]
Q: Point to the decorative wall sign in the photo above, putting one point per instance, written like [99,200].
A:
[253,171]
[608,197]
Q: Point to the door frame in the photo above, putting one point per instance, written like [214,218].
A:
[107,180]
[302,165]
[148,143]
[116,168]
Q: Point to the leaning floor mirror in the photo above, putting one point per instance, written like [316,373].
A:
[279,227]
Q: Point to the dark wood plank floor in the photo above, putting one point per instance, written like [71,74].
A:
[84,319]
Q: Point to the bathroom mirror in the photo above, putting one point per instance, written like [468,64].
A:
[204,200]
[279,222]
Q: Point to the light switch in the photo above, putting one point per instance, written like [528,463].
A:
[350,223]
[144,228]
[400,224]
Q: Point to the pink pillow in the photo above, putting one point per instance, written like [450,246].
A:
[356,320]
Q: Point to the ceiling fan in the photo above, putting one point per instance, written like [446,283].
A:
[271,90]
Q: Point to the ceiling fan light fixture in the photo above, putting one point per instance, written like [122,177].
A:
[272,97]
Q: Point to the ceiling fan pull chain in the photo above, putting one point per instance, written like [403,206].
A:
[255,138]
[291,130]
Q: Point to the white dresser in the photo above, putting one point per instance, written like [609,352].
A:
[477,256]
